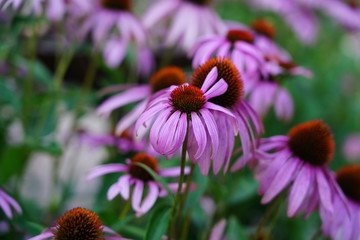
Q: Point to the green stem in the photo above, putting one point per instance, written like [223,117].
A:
[185,228]
[180,182]
[273,209]
[126,208]
[28,88]
[188,184]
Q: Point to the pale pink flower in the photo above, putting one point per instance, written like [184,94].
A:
[189,20]
[140,178]
[218,231]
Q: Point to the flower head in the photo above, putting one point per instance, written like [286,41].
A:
[136,175]
[78,224]
[345,221]
[231,99]
[160,80]
[299,159]
[189,21]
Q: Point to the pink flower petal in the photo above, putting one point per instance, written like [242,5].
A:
[105,169]
[150,199]
[210,79]
[199,133]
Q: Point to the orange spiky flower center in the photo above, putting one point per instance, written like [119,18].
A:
[140,173]
[263,27]
[187,99]
[239,35]
[124,5]
[78,224]
[226,71]
[312,142]
[167,77]
[348,179]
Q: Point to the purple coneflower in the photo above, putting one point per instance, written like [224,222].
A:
[232,100]
[78,223]
[161,80]
[139,177]
[299,161]
[191,19]
[7,202]
[124,141]
[344,224]
[237,45]
[115,27]
[189,109]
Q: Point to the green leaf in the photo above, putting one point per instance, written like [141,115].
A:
[158,222]
[12,162]
[194,196]
[8,96]
[158,179]
[31,227]
[235,231]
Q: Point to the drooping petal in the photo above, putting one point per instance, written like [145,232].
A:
[124,186]
[210,79]
[217,89]
[105,169]
[137,195]
[199,133]
[132,95]
[218,230]
[173,172]
[284,175]
[299,190]
[150,199]
[212,129]
[324,190]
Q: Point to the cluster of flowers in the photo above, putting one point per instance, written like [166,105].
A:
[238,75]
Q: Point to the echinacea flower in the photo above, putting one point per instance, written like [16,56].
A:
[124,142]
[162,79]
[189,109]
[78,223]
[140,178]
[238,45]
[344,224]
[246,123]
[190,20]
[299,161]
[114,27]
[7,202]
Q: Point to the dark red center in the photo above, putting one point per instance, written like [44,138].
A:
[226,71]
[79,224]
[187,99]
[239,35]
[140,173]
[117,4]
[167,77]
[312,142]
[200,2]
[349,180]
[263,27]
[287,65]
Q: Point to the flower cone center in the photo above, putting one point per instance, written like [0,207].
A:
[167,77]
[187,99]
[226,71]
[312,142]
[263,27]
[200,2]
[239,35]
[139,172]
[349,180]
[78,224]
[117,4]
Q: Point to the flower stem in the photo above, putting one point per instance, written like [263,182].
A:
[126,208]
[270,214]
[187,188]
[185,227]
[181,179]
